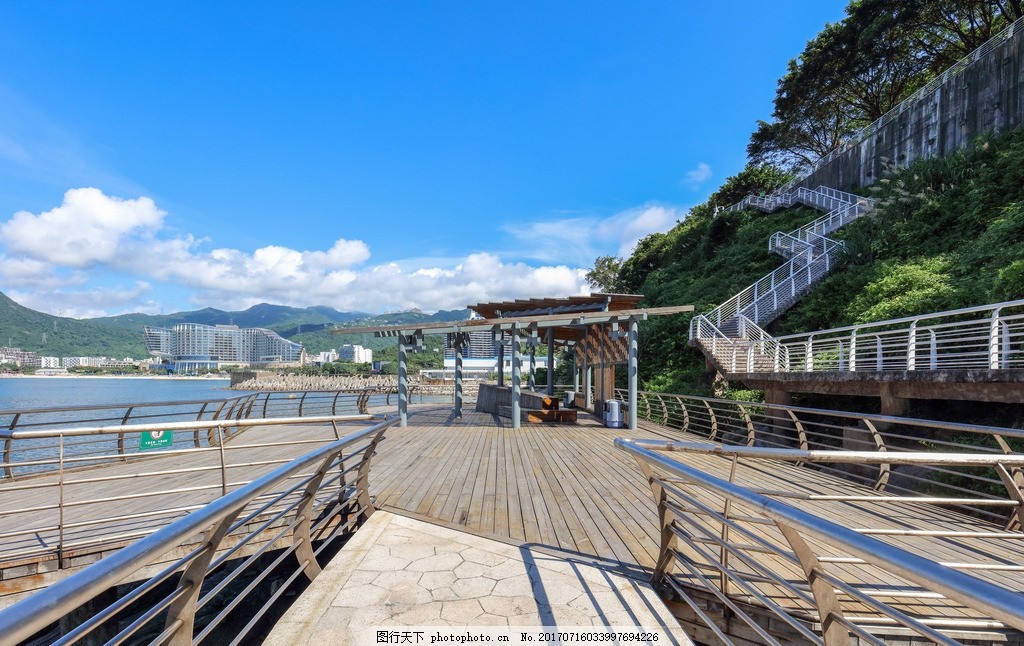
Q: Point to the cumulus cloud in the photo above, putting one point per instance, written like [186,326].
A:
[87,228]
[696,177]
[92,237]
[579,240]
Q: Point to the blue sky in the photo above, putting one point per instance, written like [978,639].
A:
[369,156]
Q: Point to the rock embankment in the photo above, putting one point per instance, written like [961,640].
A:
[380,383]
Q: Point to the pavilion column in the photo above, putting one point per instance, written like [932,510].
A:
[501,358]
[634,352]
[551,361]
[403,381]
[459,341]
[517,365]
[533,363]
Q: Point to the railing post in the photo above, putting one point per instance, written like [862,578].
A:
[993,340]
[912,346]
[60,502]
[778,350]
[223,462]
[879,364]
[363,498]
[810,354]
[825,598]
[302,537]
[182,612]
[933,351]
[714,421]
[853,351]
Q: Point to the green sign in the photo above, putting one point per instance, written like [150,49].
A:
[155,440]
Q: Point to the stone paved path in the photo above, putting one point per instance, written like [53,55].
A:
[401,572]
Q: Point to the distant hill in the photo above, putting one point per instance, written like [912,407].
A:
[121,336]
[286,321]
[58,336]
[323,340]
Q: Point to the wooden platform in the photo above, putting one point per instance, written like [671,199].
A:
[568,489]
[564,487]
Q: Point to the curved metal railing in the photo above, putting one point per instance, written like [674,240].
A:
[298,509]
[991,495]
[74,511]
[27,434]
[727,546]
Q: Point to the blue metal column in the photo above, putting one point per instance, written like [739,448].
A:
[551,361]
[517,366]
[458,340]
[403,381]
[501,358]
[634,352]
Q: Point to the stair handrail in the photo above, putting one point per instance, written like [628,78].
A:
[767,345]
[938,340]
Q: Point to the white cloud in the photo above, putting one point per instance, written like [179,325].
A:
[88,227]
[696,177]
[89,303]
[629,227]
[92,237]
[578,240]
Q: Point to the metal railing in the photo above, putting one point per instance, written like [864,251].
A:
[750,553]
[986,494]
[87,504]
[27,450]
[988,337]
[298,509]
[811,256]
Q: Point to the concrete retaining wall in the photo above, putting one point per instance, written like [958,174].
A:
[984,93]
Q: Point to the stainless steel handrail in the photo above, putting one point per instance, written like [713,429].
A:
[777,426]
[799,532]
[55,531]
[220,518]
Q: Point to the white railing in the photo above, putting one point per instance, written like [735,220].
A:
[988,337]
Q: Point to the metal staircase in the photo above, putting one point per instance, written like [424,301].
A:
[731,334]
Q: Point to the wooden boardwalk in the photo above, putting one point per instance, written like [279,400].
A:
[568,489]
[565,487]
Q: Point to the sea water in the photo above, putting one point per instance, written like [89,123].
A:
[18,393]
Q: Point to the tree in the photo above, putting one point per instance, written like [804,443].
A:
[604,275]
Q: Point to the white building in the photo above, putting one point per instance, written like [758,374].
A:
[355,354]
[50,362]
[326,357]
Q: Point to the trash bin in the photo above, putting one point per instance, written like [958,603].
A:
[613,413]
[569,399]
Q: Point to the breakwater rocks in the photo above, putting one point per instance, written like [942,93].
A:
[372,383]
[381,383]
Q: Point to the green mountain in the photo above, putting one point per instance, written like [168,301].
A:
[317,341]
[286,321]
[65,337]
[121,336]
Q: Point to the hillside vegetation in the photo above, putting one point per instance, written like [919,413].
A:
[947,233]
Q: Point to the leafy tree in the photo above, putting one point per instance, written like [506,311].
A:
[604,276]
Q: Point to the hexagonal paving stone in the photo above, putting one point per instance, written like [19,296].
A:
[361,595]
[433,580]
[443,594]
[516,586]
[463,611]
[436,563]
[508,606]
[483,557]
[473,588]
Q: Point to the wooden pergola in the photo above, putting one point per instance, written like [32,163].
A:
[600,329]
